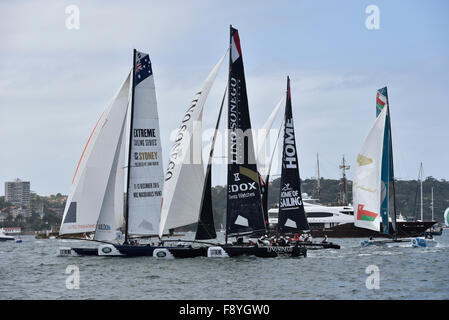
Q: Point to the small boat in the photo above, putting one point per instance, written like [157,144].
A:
[100,171]
[435,231]
[4,237]
[383,243]
[424,242]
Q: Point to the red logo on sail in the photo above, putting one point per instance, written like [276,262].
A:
[237,43]
[236,51]
[365,214]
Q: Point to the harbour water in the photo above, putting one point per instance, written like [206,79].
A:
[31,270]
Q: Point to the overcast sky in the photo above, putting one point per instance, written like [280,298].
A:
[55,82]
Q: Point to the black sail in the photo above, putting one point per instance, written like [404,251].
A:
[244,208]
[264,191]
[206,226]
[292,217]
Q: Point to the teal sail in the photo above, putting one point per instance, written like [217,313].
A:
[387,173]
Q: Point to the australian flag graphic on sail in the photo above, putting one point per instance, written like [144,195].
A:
[142,67]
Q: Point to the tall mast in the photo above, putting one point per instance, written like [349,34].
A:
[391,168]
[343,189]
[318,187]
[229,89]
[420,179]
[432,203]
[129,148]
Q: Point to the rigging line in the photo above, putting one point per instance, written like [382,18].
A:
[274,149]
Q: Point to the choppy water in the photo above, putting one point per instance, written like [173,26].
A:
[31,270]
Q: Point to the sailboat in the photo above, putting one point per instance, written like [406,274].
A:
[4,237]
[244,216]
[369,178]
[427,240]
[373,185]
[180,204]
[96,200]
[292,218]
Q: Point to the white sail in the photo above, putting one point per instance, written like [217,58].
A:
[367,178]
[112,208]
[119,198]
[184,177]
[94,167]
[262,159]
[146,174]
[446,217]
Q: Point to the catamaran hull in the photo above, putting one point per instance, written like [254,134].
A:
[86,251]
[182,252]
[318,245]
[176,252]
[423,242]
[385,243]
[230,250]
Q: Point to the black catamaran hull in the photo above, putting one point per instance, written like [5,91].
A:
[318,245]
[231,251]
[177,252]
[86,251]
